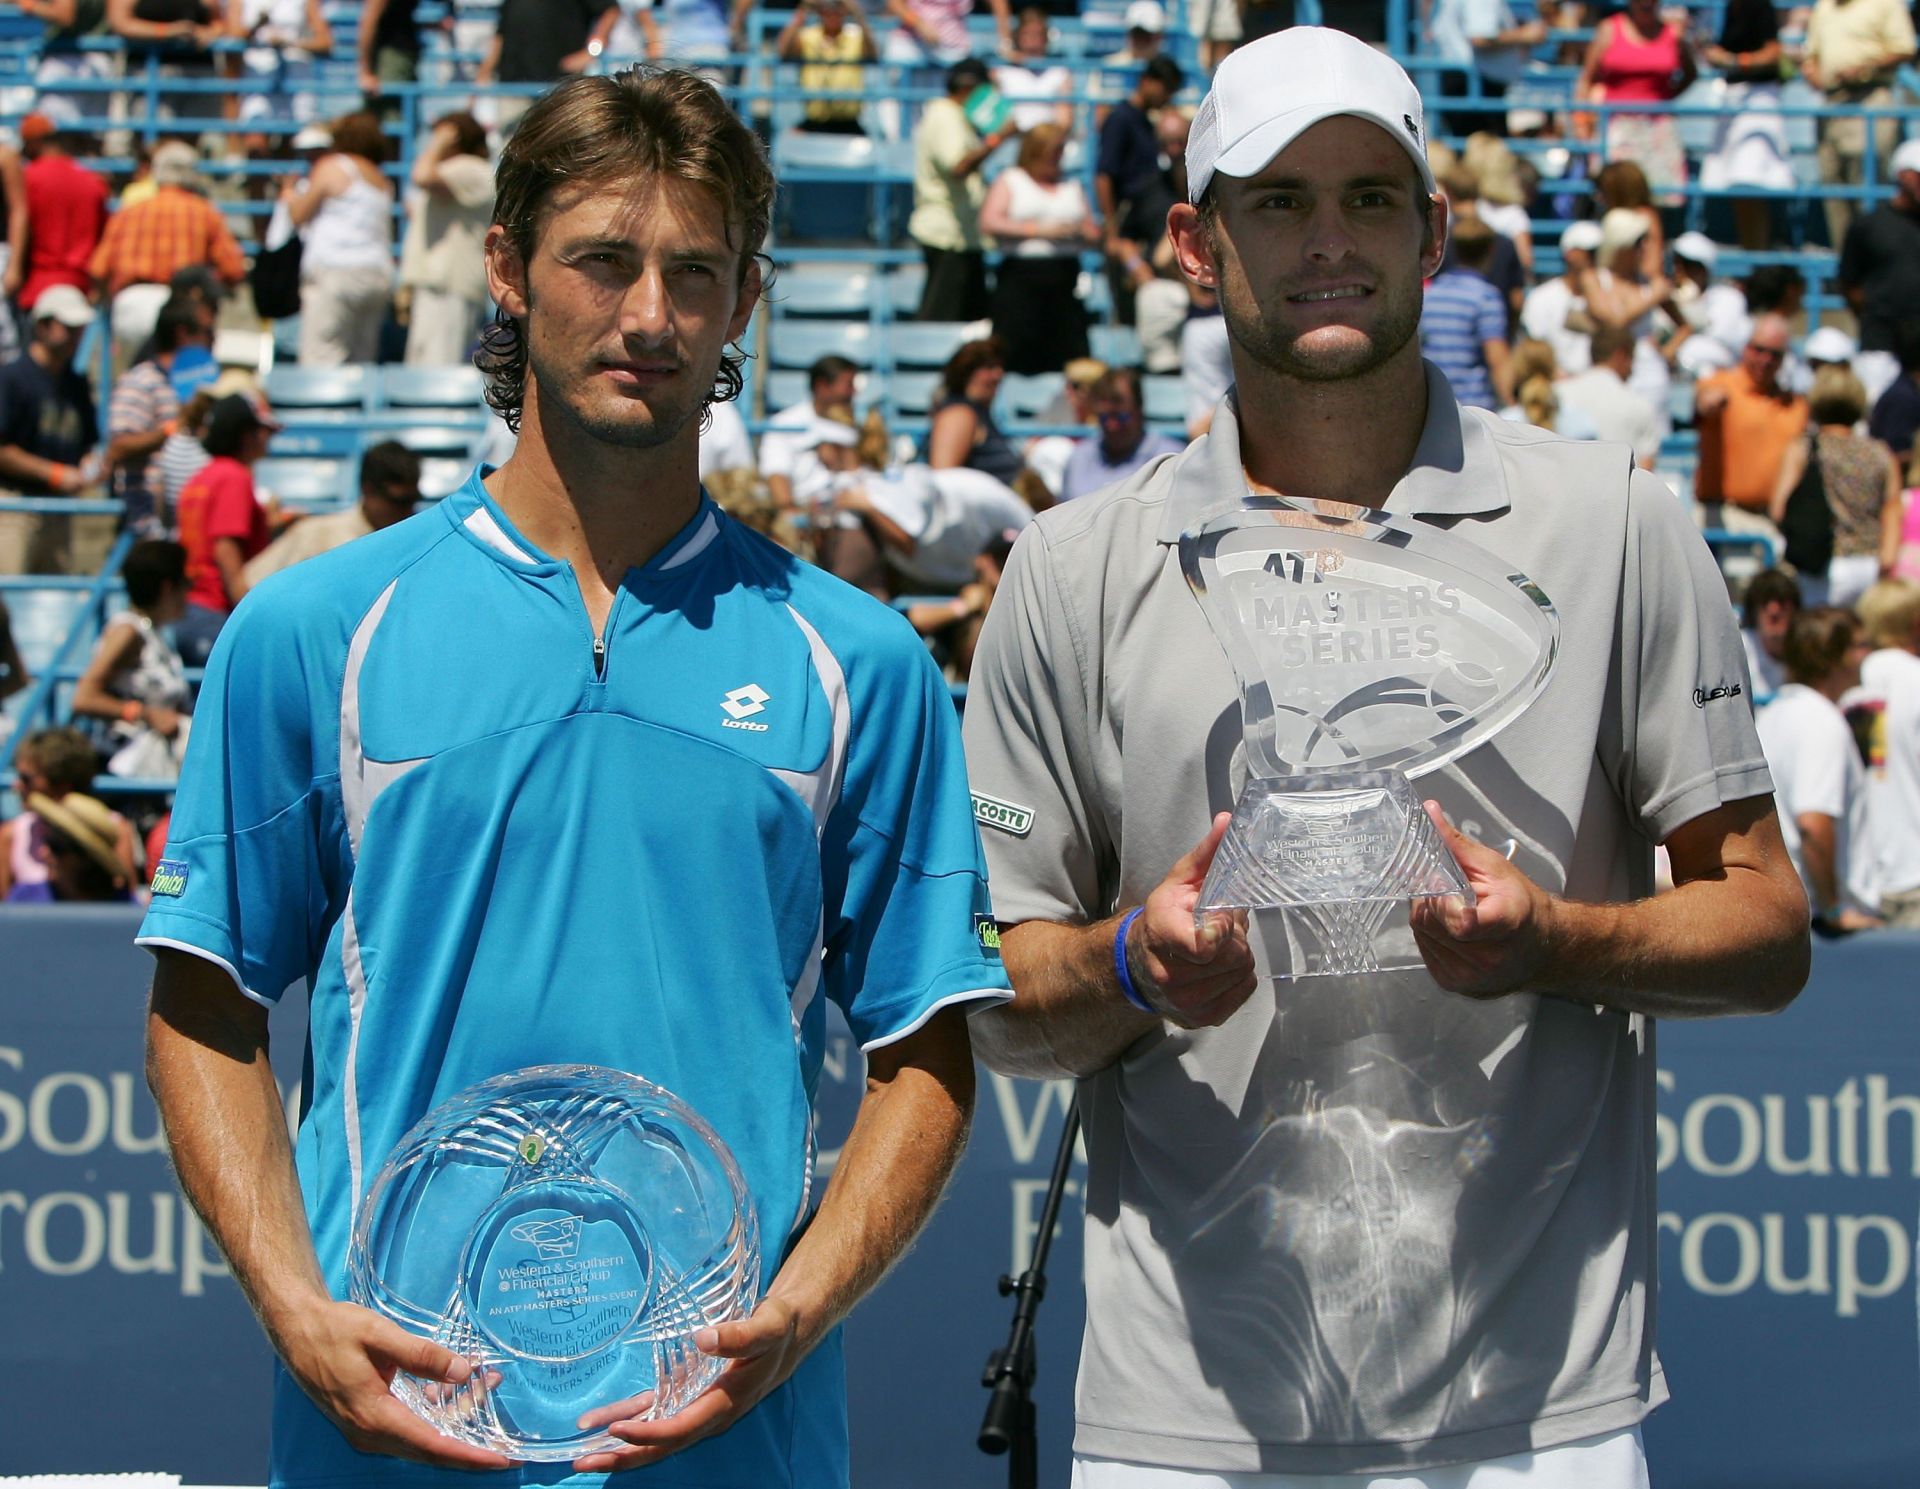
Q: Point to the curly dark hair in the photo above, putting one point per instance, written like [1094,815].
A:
[591,130]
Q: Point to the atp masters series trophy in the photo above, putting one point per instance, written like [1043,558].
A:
[566,1229]
[1370,651]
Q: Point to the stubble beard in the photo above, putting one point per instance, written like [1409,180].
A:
[602,421]
[1280,352]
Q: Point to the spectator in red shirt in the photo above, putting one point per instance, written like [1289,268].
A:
[222,524]
[66,213]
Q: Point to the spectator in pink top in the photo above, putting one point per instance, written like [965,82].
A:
[1638,57]
[935,31]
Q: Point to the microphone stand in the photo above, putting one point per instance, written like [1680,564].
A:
[1008,1426]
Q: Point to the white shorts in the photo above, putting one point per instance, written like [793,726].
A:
[1615,1461]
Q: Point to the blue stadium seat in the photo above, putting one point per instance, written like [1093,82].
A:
[913,392]
[925,343]
[823,289]
[41,619]
[799,152]
[906,284]
[801,343]
[442,475]
[1166,398]
[1117,346]
[306,481]
[320,387]
[1023,397]
[459,387]
[452,441]
[784,389]
[339,438]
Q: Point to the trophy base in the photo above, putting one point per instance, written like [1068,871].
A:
[1327,867]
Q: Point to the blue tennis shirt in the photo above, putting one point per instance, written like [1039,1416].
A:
[490,842]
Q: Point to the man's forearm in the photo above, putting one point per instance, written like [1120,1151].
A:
[905,1142]
[1067,1016]
[1727,945]
[207,1066]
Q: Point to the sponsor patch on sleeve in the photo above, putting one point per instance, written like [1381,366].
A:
[986,930]
[170,877]
[990,811]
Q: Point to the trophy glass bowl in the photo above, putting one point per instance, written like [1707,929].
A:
[566,1229]
[1370,651]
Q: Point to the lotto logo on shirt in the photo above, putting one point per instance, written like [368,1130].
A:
[170,878]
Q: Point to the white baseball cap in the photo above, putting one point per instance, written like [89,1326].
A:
[1581,236]
[1906,158]
[1146,15]
[1829,344]
[1622,228]
[65,304]
[1270,92]
[1697,248]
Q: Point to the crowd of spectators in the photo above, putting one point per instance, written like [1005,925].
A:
[1040,185]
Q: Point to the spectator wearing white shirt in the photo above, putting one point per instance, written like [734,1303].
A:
[1890,687]
[830,381]
[1771,601]
[1715,309]
[1819,782]
[1554,311]
[1603,395]
[1206,367]
[1484,37]
[1033,81]
[724,442]
[899,527]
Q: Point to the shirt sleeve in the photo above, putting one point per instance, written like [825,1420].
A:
[909,927]
[1682,743]
[253,873]
[1027,750]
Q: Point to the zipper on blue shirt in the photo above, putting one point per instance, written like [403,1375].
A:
[599,658]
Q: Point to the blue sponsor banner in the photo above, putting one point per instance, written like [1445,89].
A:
[1790,1182]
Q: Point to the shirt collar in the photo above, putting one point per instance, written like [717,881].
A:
[474,510]
[1455,472]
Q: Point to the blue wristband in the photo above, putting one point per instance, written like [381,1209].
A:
[1120,969]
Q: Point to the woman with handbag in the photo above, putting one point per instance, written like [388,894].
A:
[1857,481]
[136,684]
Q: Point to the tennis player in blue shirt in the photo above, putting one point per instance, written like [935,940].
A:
[572,767]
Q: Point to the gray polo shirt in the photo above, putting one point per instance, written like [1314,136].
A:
[1366,1224]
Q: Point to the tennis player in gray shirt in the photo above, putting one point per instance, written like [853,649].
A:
[1399,1223]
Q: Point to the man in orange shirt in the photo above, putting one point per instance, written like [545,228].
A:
[1747,421]
[147,243]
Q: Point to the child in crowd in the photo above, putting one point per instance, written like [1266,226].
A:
[51,765]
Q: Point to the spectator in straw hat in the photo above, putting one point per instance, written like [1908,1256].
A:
[146,245]
[78,834]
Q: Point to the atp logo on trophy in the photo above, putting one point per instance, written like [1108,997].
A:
[1370,651]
